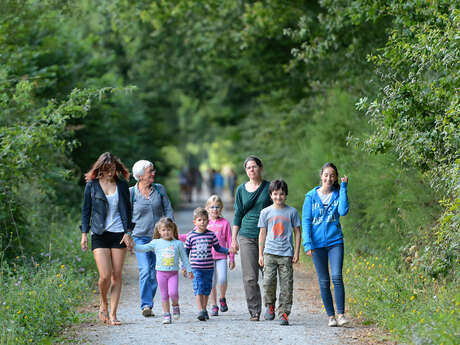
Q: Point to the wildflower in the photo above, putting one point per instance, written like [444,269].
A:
[62,267]
[19,311]
[412,297]
[422,321]
[60,285]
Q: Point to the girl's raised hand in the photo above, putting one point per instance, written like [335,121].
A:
[345,179]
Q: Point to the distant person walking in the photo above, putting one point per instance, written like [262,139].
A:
[323,237]
[218,183]
[150,202]
[106,212]
[251,198]
[231,182]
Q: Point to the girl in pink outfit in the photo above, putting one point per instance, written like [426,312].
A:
[221,227]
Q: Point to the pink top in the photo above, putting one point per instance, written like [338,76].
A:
[221,227]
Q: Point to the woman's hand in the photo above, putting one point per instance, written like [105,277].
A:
[231,265]
[84,241]
[235,246]
[309,252]
[128,241]
[345,179]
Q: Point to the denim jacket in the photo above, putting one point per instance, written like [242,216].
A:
[95,204]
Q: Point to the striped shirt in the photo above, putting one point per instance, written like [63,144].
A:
[199,246]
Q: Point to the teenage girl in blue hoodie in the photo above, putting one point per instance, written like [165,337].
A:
[323,237]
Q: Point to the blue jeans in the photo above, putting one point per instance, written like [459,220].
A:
[334,256]
[147,274]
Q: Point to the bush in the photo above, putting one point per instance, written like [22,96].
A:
[39,294]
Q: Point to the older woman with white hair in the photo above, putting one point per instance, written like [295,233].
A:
[150,202]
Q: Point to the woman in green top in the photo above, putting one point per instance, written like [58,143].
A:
[251,197]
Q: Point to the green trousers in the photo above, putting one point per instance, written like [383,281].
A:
[280,266]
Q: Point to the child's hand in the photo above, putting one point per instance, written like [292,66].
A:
[231,265]
[308,252]
[261,261]
[345,179]
[190,275]
[295,259]
[184,272]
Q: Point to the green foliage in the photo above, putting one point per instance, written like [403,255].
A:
[40,293]
[369,85]
[407,303]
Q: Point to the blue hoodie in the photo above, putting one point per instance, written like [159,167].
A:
[321,226]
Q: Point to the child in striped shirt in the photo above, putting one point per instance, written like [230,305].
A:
[198,245]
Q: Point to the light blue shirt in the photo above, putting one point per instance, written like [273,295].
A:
[279,224]
[168,254]
[147,211]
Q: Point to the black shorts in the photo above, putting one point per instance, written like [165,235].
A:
[107,240]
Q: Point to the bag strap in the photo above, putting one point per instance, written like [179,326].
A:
[156,186]
[251,205]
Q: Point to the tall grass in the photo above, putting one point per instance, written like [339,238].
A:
[39,295]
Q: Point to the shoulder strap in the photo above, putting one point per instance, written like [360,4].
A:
[157,188]
[251,205]
[132,193]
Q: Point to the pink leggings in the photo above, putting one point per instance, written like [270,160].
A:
[168,281]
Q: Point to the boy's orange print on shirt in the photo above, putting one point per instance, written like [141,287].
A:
[278,226]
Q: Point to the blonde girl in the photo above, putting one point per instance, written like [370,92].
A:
[221,227]
[169,251]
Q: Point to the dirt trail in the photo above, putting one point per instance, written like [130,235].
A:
[308,325]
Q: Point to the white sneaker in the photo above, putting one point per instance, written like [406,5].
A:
[341,320]
[332,322]
[166,318]
[176,312]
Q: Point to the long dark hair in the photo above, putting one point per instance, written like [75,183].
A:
[331,165]
[105,163]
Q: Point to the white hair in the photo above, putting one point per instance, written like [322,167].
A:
[139,166]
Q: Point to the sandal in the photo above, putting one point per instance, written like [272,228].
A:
[114,322]
[103,316]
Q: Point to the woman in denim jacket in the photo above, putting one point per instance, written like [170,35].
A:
[107,213]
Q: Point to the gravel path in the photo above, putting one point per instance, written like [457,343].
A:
[308,325]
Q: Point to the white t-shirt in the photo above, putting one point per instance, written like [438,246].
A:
[325,198]
[113,220]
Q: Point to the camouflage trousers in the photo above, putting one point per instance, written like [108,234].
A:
[278,267]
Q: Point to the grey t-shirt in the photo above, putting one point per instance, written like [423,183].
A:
[280,224]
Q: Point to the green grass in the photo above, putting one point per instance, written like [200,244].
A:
[40,296]
[412,307]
